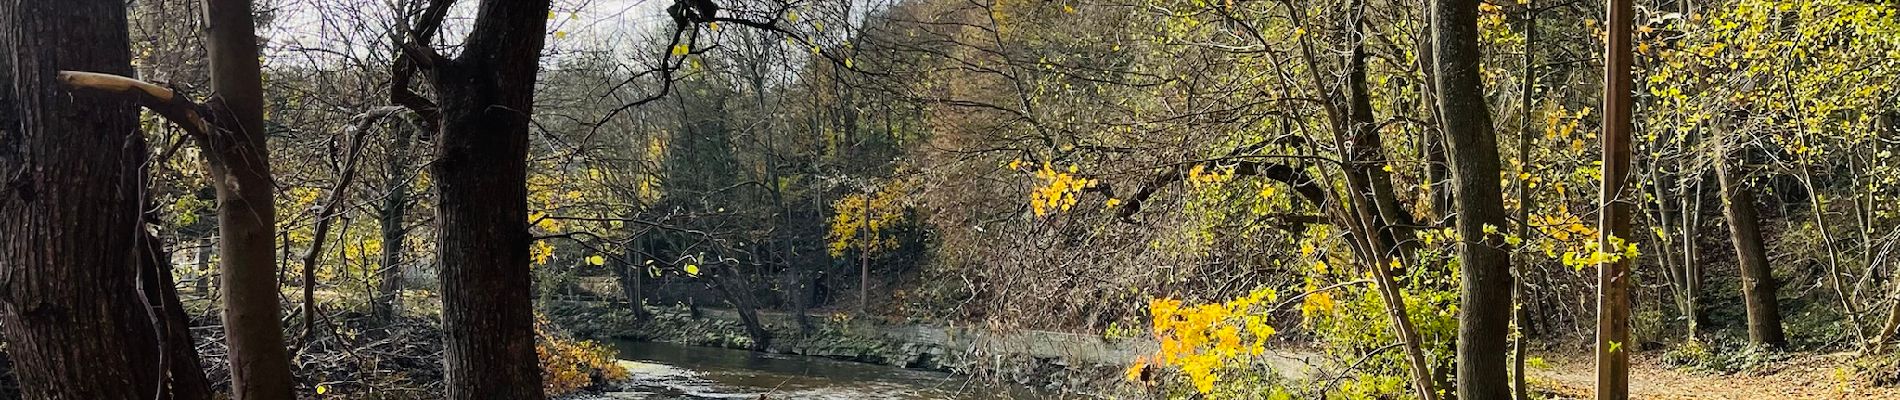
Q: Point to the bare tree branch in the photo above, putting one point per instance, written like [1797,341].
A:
[164,101]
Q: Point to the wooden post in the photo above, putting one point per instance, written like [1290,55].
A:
[1613,333]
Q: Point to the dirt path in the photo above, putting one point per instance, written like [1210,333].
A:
[1806,376]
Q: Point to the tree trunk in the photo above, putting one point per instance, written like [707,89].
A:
[332,209]
[632,276]
[1691,254]
[394,235]
[1484,327]
[733,286]
[1613,299]
[1758,280]
[1886,330]
[1522,316]
[70,202]
[185,374]
[241,173]
[864,258]
[487,95]
[1817,206]
[1367,171]
[206,278]
[632,286]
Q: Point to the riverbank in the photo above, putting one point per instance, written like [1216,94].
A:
[664,371]
[1051,362]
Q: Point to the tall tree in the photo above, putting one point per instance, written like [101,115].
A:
[1613,308]
[1484,327]
[70,202]
[480,176]
[241,173]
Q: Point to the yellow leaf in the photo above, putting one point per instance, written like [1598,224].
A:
[681,49]
[560,34]
[321,389]
[692,269]
[596,260]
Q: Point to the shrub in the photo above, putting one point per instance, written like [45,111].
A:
[569,365]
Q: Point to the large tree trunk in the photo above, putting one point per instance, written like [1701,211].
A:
[1758,280]
[487,95]
[394,235]
[1484,326]
[185,375]
[241,173]
[70,200]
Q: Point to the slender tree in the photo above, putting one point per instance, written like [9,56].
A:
[1521,316]
[1484,327]
[241,173]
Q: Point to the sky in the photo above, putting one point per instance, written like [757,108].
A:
[325,32]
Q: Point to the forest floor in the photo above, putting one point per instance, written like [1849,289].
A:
[1800,376]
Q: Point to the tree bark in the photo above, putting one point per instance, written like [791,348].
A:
[70,202]
[1758,280]
[241,173]
[1484,327]
[486,96]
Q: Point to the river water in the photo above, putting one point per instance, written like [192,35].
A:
[669,372]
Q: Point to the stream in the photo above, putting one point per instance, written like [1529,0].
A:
[671,371]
